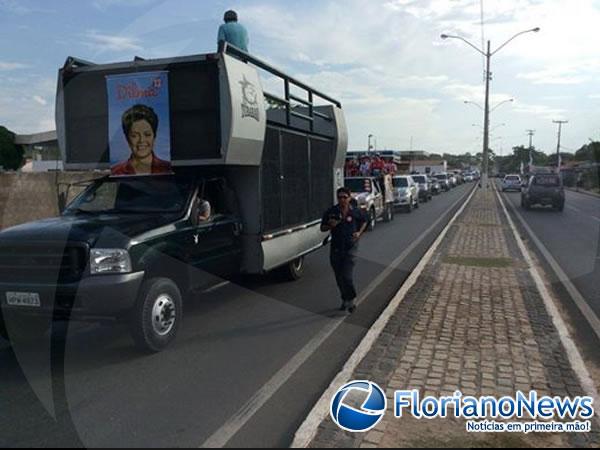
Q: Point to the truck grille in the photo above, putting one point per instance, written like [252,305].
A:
[42,263]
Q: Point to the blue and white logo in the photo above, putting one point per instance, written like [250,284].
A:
[358,406]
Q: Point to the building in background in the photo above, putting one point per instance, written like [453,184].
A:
[42,153]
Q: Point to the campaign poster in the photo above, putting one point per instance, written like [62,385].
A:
[139,123]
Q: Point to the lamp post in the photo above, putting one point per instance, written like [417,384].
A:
[488,76]
[467,102]
[370,146]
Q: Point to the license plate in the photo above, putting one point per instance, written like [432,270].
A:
[27,299]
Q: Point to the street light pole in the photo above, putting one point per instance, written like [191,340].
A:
[369,147]
[486,119]
[488,56]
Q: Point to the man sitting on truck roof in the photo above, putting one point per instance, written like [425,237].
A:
[233,32]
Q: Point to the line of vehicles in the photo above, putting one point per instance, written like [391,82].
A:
[380,196]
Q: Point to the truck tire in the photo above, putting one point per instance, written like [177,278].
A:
[23,328]
[157,315]
[294,270]
[372,219]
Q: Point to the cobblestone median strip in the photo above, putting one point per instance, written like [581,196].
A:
[474,321]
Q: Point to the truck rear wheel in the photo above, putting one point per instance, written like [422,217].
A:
[157,315]
[294,269]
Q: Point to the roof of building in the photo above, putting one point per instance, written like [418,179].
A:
[436,162]
[37,138]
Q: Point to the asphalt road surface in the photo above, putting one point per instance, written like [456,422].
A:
[572,239]
[249,363]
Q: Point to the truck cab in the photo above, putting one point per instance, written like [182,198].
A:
[374,195]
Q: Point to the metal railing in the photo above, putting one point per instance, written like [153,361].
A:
[288,81]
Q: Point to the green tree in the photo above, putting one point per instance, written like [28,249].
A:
[11,155]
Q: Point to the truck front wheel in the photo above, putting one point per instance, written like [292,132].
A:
[157,315]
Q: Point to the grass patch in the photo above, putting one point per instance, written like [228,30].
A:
[480,262]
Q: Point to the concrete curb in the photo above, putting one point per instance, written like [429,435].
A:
[591,194]
[308,430]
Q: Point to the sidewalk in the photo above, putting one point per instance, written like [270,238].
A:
[475,322]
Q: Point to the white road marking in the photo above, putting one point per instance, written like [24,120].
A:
[236,422]
[307,431]
[572,351]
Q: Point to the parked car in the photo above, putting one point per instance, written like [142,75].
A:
[544,190]
[444,181]
[406,193]
[511,183]
[425,193]
[373,198]
[469,178]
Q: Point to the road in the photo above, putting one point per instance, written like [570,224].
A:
[572,239]
[248,365]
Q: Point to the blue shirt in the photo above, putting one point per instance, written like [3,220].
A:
[235,34]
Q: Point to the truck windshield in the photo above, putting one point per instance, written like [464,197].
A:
[134,195]
[400,182]
[358,184]
[421,180]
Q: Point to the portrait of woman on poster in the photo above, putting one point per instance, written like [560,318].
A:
[140,125]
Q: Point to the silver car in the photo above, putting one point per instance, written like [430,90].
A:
[406,193]
[511,183]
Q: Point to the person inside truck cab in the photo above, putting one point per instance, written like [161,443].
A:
[140,126]
[203,210]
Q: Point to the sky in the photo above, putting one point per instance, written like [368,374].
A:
[383,59]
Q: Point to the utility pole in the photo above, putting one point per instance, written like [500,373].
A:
[531,133]
[558,160]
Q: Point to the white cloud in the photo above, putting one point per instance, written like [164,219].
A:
[103,5]
[543,111]
[23,105]
[109,43]
[40,100]
[6,66]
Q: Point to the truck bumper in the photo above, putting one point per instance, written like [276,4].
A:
[104,296]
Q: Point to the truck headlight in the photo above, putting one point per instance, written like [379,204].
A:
[107,261]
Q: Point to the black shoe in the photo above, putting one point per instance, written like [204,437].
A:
[352,309]
[343,307]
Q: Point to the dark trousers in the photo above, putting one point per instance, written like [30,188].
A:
[343,263]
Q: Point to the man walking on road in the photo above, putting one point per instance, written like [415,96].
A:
[346,224]
[233,32]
